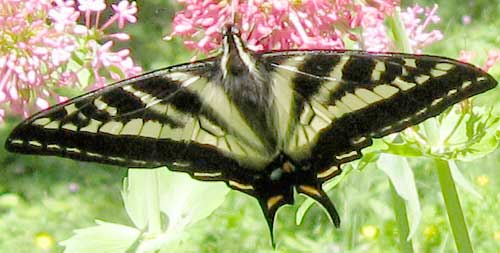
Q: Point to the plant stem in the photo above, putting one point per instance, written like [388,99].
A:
[153,201]
[399,206]
[453,207]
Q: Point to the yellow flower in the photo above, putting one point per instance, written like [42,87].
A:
[431,232]
[496,235]
[44,241]
[369,231]
[482,180]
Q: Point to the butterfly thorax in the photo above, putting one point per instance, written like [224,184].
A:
[246,81]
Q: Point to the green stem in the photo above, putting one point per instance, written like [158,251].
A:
[153,201]
[399,32]
[453,207]
[399,206]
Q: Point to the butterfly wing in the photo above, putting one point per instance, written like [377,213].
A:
[175,116]
[337,101]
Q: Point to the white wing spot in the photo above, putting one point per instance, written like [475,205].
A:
[421,112]
[73,150]
[99,104]
[204,174]
[444,66]
[353,102]
[190,81]
[35,143]
[438,73]
[53,147]
[17,142]
[53,125]
[346,155]
[337,111]
[206,138]
[359,140]
[240,186]
[71,108]
[336,73]
[116,158]
[367,96]
[70,126]
[317,123]
[178,76]
[403,85]
[412,63]
[466,84]
[133,127]
[385,91]
[41,121]
[91,154]
[437,101]
[378,70]
[151,129]
[327,172]
[112,127]
[451,92]
[112,111]
[422,79]
[92,126]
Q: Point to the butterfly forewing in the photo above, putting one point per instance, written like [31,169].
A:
[341,99]
[153,120]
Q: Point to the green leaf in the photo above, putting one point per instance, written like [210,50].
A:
[401,175]
[407,149]
[183,200]
[115,69]
[105,237]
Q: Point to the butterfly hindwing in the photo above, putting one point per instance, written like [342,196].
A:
[342,99]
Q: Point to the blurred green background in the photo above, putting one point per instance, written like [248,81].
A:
[43,199]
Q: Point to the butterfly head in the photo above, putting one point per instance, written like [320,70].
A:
[236,58]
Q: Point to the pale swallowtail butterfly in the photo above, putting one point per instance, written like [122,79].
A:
[265,123]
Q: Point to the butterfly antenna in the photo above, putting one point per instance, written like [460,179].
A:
[234,10]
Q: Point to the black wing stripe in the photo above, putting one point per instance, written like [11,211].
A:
[358,70]
[317,67]
[393,68]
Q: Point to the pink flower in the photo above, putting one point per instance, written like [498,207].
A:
[492,59]
[53,50]
[91,5]
[307,24]
[415,28]
[466,20]
[466,56]
[125,12]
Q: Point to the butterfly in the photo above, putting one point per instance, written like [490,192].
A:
[264,123]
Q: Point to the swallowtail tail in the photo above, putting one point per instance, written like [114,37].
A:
[264,123]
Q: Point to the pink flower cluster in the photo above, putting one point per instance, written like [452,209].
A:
[305,24]
[44,47]
[492,59]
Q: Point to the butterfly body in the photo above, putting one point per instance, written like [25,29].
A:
[267,124]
